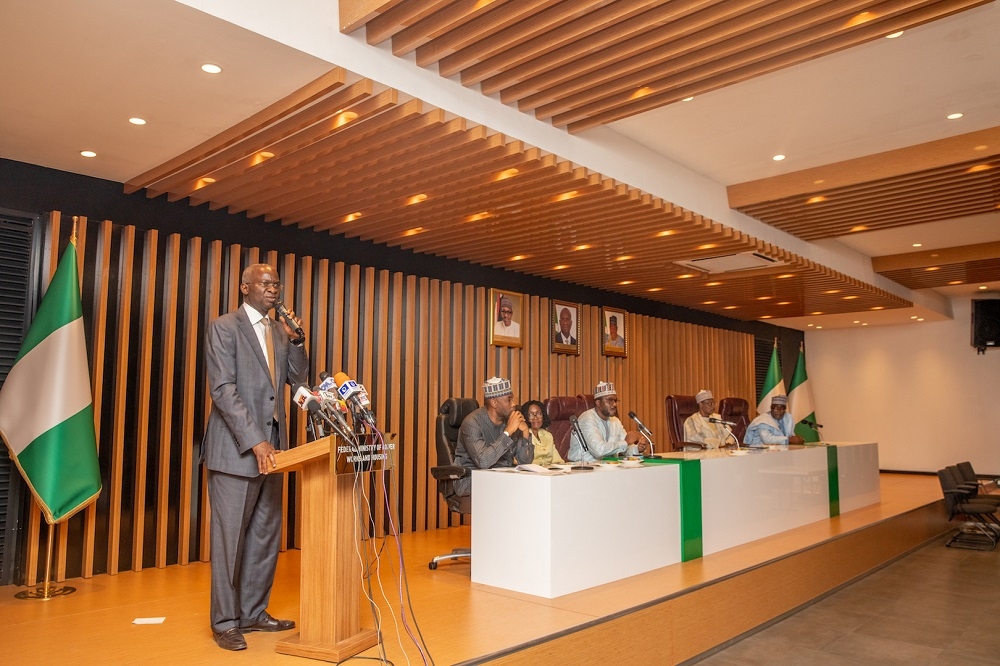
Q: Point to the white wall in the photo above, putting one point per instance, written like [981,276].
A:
[919,390]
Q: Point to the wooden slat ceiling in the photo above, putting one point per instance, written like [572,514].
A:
[360,160]
[941,180]
[584,63]
[969,264]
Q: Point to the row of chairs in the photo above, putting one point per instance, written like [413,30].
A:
[967,498]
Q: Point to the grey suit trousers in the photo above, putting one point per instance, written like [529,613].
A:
[246,534]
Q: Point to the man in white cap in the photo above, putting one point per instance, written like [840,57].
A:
[775,427]
[495,435]
[700,430]
[603,433]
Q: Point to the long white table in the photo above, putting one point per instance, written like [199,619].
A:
[552,535]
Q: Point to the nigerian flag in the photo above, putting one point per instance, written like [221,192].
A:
[774,384]
[50,433]
[800,402]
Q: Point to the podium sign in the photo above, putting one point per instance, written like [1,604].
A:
[371,454]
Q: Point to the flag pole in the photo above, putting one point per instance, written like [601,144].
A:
[46,590]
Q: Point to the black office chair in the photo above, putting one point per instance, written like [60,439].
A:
[980,490]
[982,530]
[450,416]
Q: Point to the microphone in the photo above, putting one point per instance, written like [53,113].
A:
[583,442]
[712,419]
[282,312]
[355,395]
[307,401]
[811,424]
[643,429]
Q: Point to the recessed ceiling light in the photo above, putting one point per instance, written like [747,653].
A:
[415,199]
[685,276]
[785,276]
[507,173]
[708,246]
[849,298]
[818,327]
[582,247]
[894,35]
[832,291]
[765,316]
[978,167]
[955,116]
[624,257]
[810,325]
[878,307]
[641,92]
[913,317]
[475,217]
[860,227]
[819,182]
[920,319]
[816,199]
[955,282]
[729,307]
[712,284]
[816,313]
[560,267]
[764,298]
[351,217]
[655,289]
[414,231]
[626,282]
[982,286]
[857,321]
[88,153]
[933,268]
[864,323]
[666,232]
[981,146]
[519,257]
[785,303]
[688,99]
[778,158]
[572,194]
[918,245]
[210,68]
[709,302]
[137,121]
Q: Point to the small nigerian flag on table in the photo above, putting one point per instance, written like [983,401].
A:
[50,433]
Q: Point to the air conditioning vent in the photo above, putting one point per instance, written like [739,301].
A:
[726,263]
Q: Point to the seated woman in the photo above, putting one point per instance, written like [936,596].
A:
[701,429]
[546,452]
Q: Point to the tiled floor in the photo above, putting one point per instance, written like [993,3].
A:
[936,606]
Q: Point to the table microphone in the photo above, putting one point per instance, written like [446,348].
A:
[643,429]
[712,419]
[811,424]
[583,466]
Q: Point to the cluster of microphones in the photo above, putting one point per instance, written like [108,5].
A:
[334,400]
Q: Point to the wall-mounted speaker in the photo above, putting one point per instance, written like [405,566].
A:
[985,323]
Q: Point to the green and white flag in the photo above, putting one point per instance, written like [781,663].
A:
[50,433]
[774,383]
[800,402]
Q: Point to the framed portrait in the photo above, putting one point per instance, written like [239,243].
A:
[565,320]
[505,318]
[614,338]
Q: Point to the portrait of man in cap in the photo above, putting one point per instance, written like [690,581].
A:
[614,332]
[505,318]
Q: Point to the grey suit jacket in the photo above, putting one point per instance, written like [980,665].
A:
[243,400]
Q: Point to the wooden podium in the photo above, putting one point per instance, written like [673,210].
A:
[330,574]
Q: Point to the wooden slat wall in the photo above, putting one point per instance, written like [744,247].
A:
[413,341]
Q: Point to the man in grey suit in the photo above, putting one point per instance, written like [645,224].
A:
[248,359]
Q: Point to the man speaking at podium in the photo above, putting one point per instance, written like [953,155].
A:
[248,359]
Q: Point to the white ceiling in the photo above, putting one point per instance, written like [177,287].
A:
[85,67]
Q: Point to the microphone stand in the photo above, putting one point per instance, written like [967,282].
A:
[583,442]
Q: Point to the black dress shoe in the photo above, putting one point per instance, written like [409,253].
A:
[268,623]
[230,639]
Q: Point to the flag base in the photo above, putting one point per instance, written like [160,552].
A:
[45,592]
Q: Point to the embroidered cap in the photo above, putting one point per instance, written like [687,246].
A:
[704,394]
[496,387]
[779,400]
[603,389]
